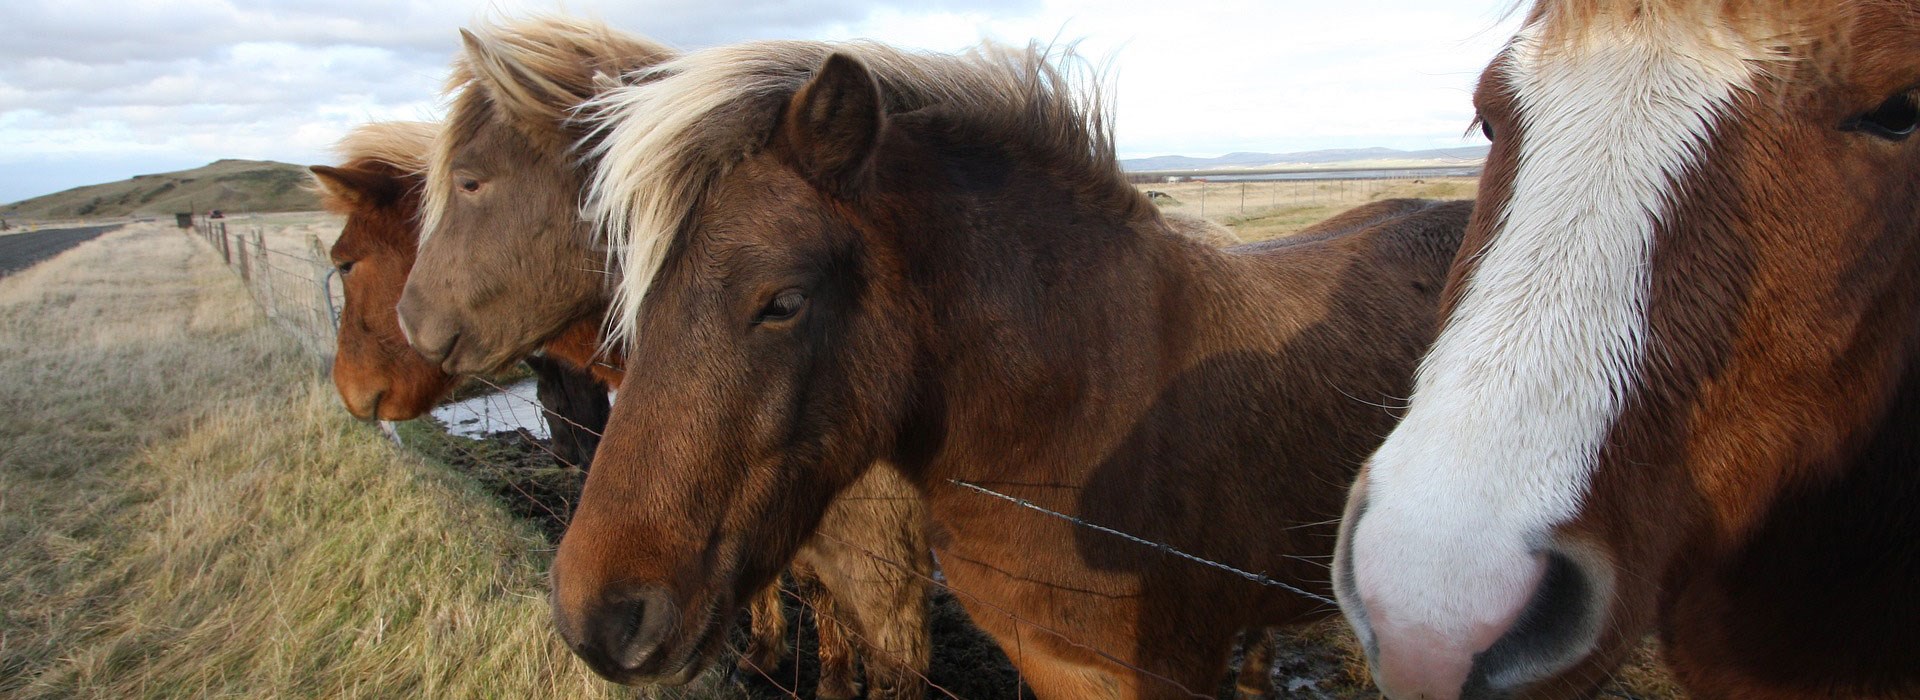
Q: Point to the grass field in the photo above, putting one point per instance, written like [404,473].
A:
[1265,209]
[185,511]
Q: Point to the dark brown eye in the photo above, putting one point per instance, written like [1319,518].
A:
[344,267]
[1485,128]
[470,184]
[783,306]
[1893,120]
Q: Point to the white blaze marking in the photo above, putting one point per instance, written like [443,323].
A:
[1518,393]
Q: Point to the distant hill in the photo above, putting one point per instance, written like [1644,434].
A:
[228,185]
[1326,157]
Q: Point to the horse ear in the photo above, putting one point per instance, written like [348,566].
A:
[833,123]
[359,186]
[337,184]
[541,103]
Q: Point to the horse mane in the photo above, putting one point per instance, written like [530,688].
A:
[664,140]
[531,72]
[1789,29]
[400,146]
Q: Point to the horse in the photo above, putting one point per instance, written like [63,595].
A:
[841,255]
[1676,388]
[379,376]
[505,263]
[377,190]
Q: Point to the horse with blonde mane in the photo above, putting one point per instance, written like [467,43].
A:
[841,255]
[1678,383]
[506,264]
[377,189]
[379,376]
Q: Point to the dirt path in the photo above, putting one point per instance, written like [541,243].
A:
[21,250]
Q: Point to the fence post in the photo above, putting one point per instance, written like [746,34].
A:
[266,272]
[226,248]
[246,267]
[325,326]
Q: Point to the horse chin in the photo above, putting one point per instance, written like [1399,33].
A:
[470,357]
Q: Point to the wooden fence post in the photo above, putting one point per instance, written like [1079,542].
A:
[246,269]
[266,272]
[325,330]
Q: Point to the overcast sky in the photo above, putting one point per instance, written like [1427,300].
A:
[103,90]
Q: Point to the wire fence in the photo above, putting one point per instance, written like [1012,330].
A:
[291,280]
[501,431]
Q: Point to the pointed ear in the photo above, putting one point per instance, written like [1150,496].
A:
[336,184]
[355,187]
[832,125]
[538,101]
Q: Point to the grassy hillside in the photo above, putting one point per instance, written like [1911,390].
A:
[185,511]
[228,185]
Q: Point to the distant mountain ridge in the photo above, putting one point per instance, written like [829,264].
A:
[1321,157]
[228,184]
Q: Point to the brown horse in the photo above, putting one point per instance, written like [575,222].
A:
[379,375]
[507,264]
[378,190]
[1678,383]
[835,255]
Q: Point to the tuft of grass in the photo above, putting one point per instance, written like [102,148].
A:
[185,511]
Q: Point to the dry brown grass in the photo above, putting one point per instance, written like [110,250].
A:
[1257,211]
[184,511]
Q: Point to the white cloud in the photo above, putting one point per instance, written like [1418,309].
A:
[115,87]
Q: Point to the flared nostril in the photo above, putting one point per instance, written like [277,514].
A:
[620,625]
[620,636]
[1559,627]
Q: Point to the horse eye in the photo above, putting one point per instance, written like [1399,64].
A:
[470,185]
[783,306]
[1485,128]
[1893,120]
[344,267]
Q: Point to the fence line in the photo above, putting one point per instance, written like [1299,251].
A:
[295,292]
[305,304]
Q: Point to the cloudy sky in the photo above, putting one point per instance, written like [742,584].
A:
[103,90]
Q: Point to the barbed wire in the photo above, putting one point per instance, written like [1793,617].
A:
[1261,579]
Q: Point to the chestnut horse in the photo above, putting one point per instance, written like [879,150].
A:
[378,190]
[1678,385]
[505,263]
[838,255]
[380,376]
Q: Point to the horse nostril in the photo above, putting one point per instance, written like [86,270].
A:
[621,635]
[1558,629]
[432,335]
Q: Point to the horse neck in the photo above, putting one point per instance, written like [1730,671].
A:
[1063,320]
[580,346]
